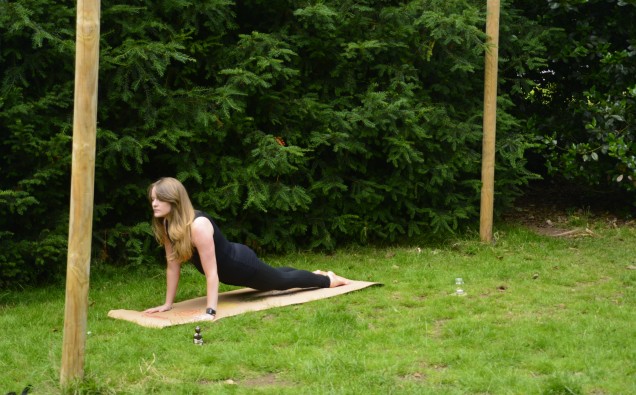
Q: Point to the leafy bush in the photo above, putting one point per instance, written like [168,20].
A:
[296,125]
[584,100]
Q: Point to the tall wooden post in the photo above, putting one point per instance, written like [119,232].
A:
[82,190]
[490,121]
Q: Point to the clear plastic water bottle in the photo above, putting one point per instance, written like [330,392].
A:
[459,284]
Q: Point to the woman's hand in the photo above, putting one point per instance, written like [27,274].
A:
[158,309]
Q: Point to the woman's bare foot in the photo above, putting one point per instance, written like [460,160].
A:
[321,272]
[336,281]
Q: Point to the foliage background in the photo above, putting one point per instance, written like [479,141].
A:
[299,125]
[583,105]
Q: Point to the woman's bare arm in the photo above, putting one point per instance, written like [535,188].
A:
[203,240]
[173,272]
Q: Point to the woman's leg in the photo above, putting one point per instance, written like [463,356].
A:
[265,278]
[269,278]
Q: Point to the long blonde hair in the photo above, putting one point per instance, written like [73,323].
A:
[175,227]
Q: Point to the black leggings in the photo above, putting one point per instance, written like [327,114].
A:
[268,278]
[243,268]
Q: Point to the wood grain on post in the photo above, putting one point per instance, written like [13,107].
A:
[490,121]
[82,190]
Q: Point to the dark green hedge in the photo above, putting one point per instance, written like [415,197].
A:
[296,124]
[583,108]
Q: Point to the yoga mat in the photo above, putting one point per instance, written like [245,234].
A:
[233,303]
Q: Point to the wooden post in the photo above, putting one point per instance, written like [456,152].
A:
[490,121]
[82,190]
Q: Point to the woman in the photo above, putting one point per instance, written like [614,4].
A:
[188,234]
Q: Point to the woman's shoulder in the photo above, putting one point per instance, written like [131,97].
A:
[201,216]
[202,225]
[198,214]
[200,221]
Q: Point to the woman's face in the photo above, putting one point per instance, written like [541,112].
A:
[160,208]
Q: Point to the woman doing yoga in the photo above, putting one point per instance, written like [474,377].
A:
[191,235]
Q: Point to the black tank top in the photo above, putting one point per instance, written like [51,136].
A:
[235,263]
[223,247]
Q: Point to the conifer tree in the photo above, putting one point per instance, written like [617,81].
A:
[296,125]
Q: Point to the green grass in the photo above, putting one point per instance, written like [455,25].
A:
[541,316]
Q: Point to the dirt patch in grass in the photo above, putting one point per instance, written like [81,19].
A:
[438,328]
[557,210]
[424,369]
[417,376]
[267,380]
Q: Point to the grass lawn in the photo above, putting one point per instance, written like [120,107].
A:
[542,315]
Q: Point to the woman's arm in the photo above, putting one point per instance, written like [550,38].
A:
[173,272]
[203,239]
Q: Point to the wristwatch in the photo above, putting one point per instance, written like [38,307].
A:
[210,311]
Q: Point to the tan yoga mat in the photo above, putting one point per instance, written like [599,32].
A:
[233,303]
